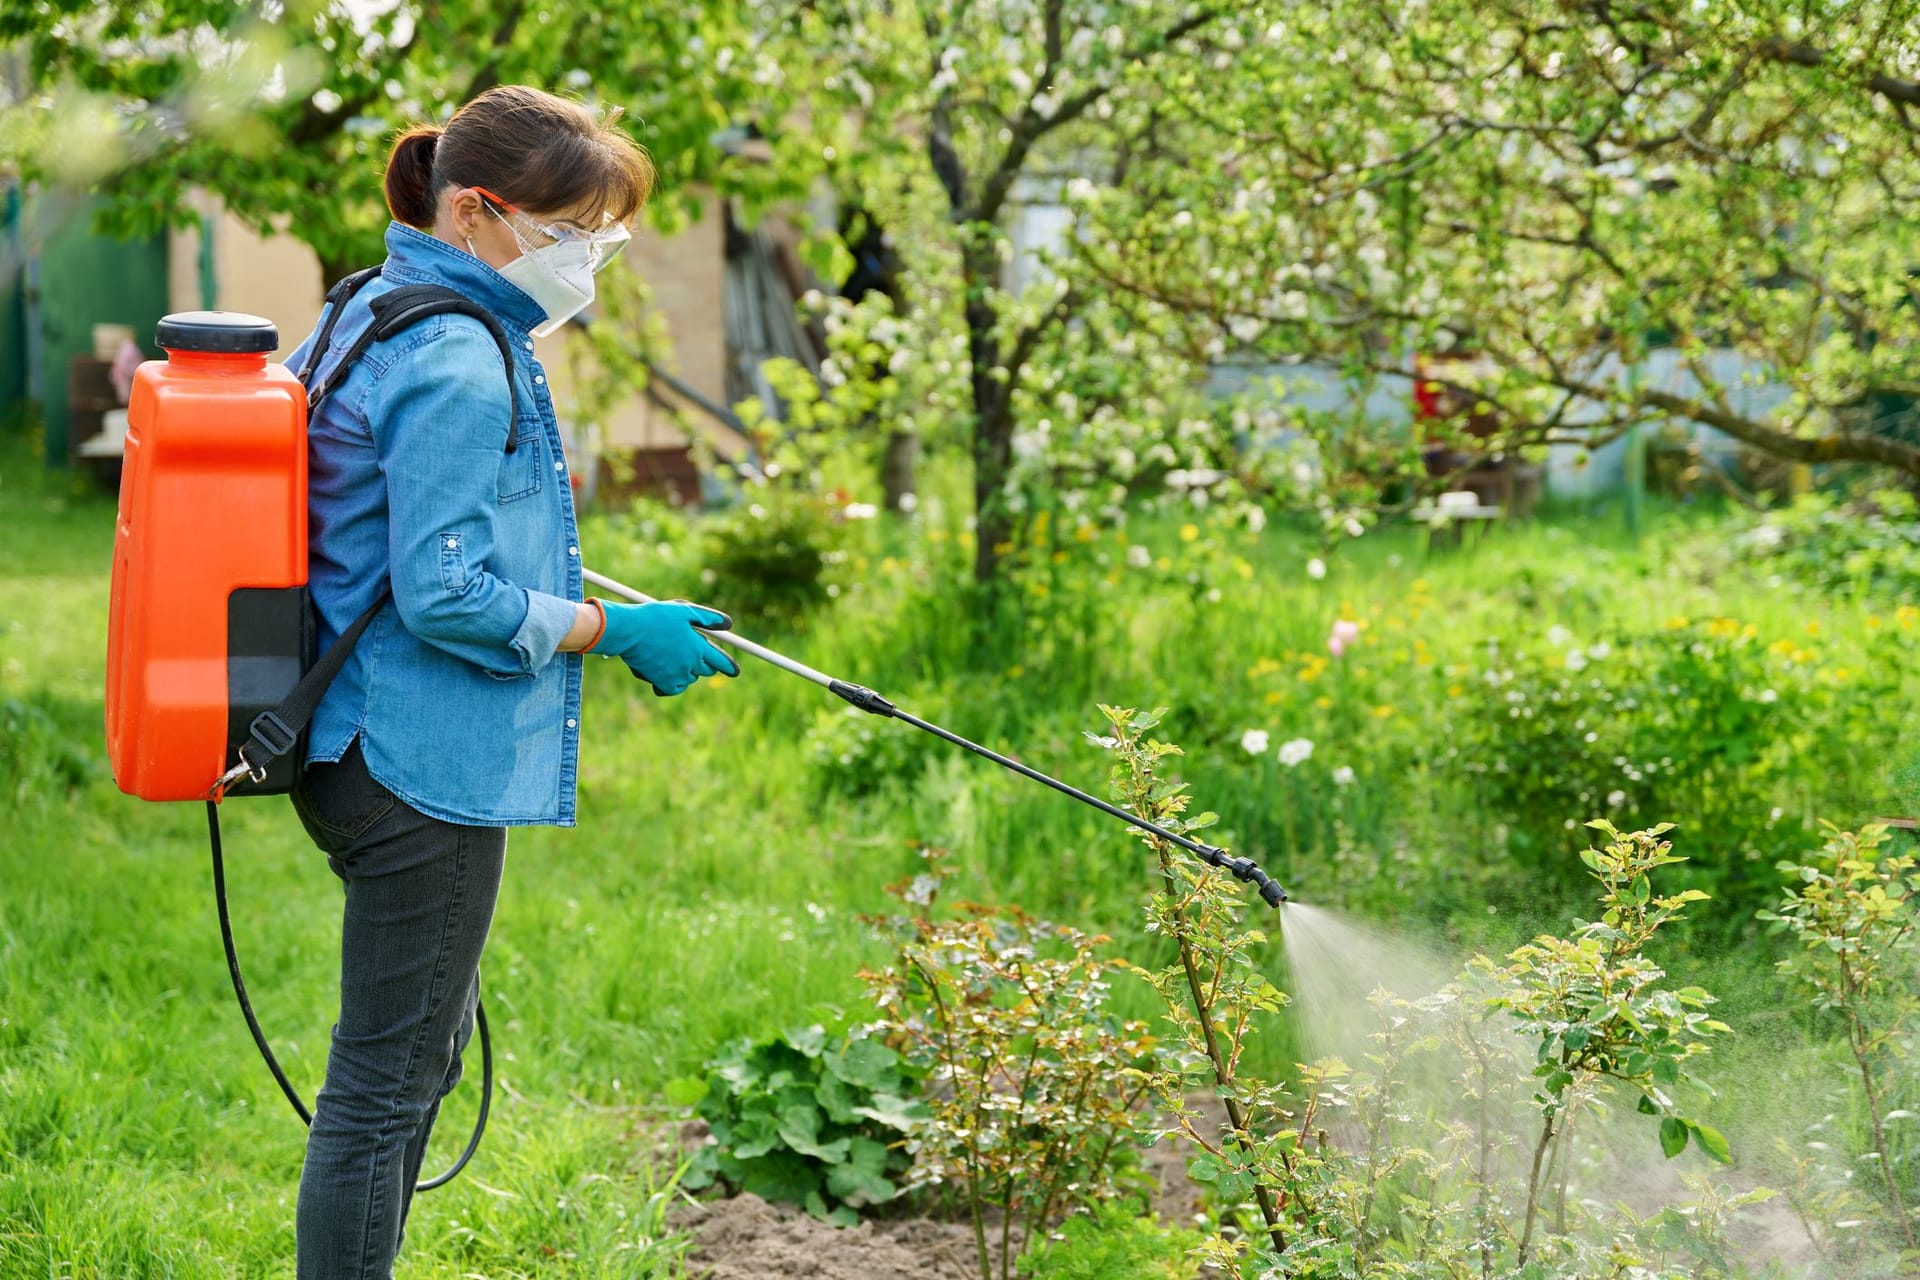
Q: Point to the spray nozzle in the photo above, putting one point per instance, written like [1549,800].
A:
[1245,869]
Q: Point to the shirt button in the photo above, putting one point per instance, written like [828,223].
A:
[539,379]
[573,551]
[529,344]
[453,544]
[559,466]
[573,724]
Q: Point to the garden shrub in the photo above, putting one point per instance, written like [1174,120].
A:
[1034,1085]
[1834,545]
[771,557]
[852,753]
[1458,1129]
[807,1118]
[1705,718]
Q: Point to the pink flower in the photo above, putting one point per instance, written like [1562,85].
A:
[1344,634]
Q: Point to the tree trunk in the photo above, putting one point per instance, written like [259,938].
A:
[896,467]
[992,412]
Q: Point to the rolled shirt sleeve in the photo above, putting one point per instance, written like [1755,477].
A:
[440,436]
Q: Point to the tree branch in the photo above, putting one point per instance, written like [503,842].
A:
[1843,447]
[1800,54]
[1032,126]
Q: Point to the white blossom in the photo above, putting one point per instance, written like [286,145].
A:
[1294,752]
[1343,776]
[1316,568]
[1254,742]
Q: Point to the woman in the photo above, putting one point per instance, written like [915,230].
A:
[457,714]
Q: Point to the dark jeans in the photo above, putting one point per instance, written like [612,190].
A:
[419,900]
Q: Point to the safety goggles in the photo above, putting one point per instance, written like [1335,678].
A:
[601,246]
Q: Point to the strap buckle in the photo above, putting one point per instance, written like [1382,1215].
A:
[268,738]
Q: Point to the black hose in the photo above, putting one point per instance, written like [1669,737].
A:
[273,1064]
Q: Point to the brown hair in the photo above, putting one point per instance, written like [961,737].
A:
[535,150]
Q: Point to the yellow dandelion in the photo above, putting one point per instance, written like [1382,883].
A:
[1163,564]
[1323,702]
[1454,691]
[1188,532]
[1873,622]
[1382,712]
[1723,627]
[1906,615]
[1677,623]
[1781,648]
[1275,697]
[1813,627]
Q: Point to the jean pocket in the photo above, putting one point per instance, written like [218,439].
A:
[339,803]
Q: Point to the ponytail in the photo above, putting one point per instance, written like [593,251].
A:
[410,185]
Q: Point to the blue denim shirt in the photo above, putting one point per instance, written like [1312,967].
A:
[465,708]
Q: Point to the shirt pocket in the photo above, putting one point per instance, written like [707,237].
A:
[523,471]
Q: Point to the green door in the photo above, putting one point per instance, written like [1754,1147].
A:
[87,279]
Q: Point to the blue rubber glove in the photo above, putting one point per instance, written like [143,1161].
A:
[659,644]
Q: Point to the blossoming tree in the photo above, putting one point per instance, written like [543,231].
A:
[1625,212]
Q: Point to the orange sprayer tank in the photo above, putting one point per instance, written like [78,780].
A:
[209,622]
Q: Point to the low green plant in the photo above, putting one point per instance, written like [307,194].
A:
[1595,1006]
[1854,913]
[771,557]
[851,753]
[808,1118]
[1035,1086]
[1705,717]
[1112,1242]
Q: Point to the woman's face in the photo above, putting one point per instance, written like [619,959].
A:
[470,221]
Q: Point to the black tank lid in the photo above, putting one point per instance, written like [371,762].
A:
[221,331]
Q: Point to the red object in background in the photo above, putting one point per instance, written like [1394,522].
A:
[213,502]
[1426,394]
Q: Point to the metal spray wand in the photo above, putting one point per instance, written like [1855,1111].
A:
[873,704]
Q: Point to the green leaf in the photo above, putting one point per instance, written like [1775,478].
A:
[808,1040]
[1712,1141]
[896,1112]
[1673,1136]
[862,1179]
[866,1063]
[1646,1106]
[782,1176]
[800,1130]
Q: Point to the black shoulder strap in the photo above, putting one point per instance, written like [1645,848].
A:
[274,733]
[408,305]
[336,301]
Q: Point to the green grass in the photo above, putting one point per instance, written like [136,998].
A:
[714,884]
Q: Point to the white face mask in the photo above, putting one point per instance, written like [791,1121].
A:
[559,277]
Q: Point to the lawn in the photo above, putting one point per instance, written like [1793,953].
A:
[730,839]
